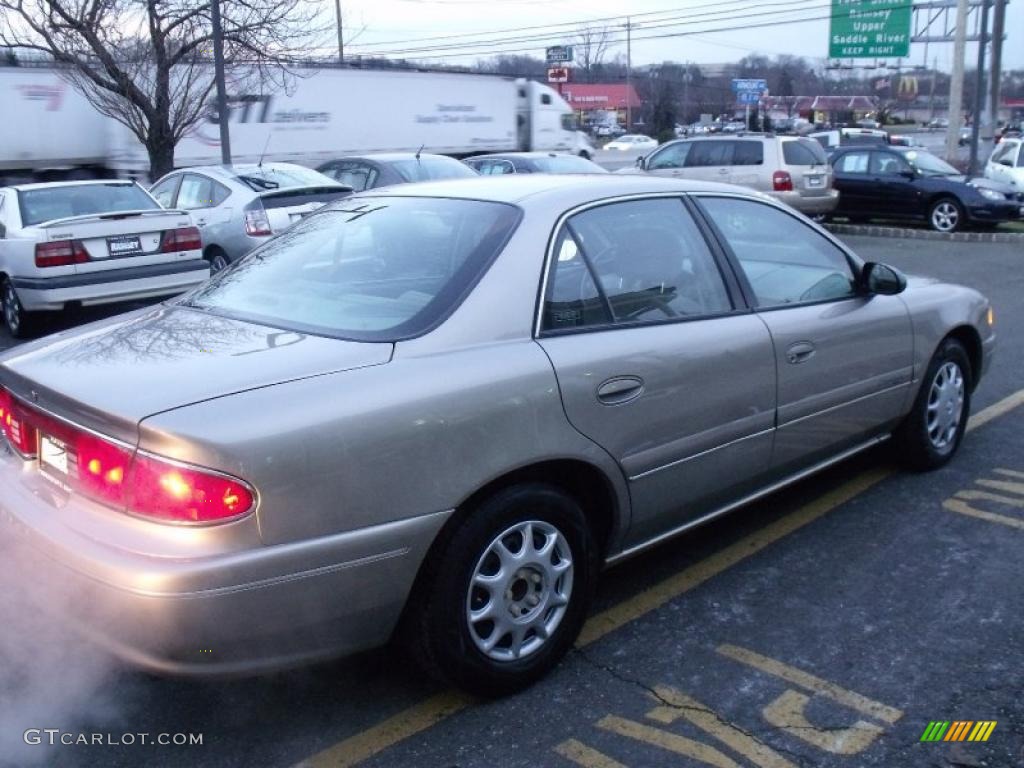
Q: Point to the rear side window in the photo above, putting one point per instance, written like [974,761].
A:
[48,203]
[709,153]
[748,153]
[632,262]
[803,152]
[853,162]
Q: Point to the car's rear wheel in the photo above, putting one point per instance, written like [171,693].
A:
[16,319]
[946,215]
[217,258]
[504,598]
[932,431]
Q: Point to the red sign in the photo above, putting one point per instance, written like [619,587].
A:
[558,75]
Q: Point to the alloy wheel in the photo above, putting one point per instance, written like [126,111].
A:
[12,308]
[945,406]
[519,591]
[945,216]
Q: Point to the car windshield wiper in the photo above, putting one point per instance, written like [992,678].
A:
[257,183]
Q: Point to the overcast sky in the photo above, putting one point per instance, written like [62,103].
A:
[391,26]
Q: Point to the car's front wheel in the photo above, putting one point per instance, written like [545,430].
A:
[946,215]
[16,319]
[506,595]
[932,431]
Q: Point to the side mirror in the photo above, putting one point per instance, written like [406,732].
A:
[640,163]
[909,174]
[882,279]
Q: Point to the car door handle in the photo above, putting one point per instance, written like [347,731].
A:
[800,352]
[620,389]
[723,170]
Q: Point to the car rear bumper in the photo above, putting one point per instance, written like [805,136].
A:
[232,613]
[39,293]
[807,204]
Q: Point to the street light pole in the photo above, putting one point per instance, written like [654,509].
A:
[629,75]
[218,76]
[979,90]
[341,38]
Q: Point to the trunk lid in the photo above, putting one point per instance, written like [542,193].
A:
[121,239]
[110,375]
[284,207]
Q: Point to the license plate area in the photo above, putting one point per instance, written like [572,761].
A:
[815,181]
[124,246]
[57,460]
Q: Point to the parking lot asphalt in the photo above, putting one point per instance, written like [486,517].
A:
[827,625]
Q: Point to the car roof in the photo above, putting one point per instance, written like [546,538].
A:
[392,157]
[84,183]
[567,190]
[235,169]
[513,155]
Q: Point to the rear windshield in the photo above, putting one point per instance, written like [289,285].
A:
[269,177]
[566,164]
[48,203]
[368,269]
[803,152]
[431,168]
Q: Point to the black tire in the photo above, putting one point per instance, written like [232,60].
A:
[915,446]
[17,321]
[218,259]
[946,215]
[437,628]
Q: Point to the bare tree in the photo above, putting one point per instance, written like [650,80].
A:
[146,63]
[590,46]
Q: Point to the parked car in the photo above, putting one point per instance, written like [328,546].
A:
[834,138]
[632,142]
[1006,164]
[901,183]
[608,130]
[291,478]
[239,207]
[938,124]
[361,172]
[791,169]
[531,162]
[90,242]
[898,140]
[869,123]
[734,126]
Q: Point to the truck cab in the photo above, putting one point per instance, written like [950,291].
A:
[545,121]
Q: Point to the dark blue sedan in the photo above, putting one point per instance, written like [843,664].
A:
[908,183]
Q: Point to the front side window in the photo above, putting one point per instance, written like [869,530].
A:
[853,162]
[785,261]
[887,164]
[494,167]
[164,191]
[49,203]
[375,269]
[672,156]
[631,262]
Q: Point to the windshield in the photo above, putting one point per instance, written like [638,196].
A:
[930,165]
[569,122]
[566,164]
[48,203]
[431,168]
[270,177]
[370,269]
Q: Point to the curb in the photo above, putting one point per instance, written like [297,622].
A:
[870,230]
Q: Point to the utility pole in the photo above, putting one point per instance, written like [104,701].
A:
[979,90]
[956,83]
[686,97]
[341,38]
[218,76]
[998,33]
[629,75]
[931,95]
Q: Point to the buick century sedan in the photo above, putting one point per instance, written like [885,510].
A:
[435,412]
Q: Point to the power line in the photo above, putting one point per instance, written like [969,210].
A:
[573,24]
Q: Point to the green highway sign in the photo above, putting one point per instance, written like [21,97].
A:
[868,29]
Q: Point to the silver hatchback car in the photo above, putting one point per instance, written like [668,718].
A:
[239,207]
[441,408]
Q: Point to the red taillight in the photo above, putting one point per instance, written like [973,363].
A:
[121,477]
[181,239]
[782,181]
[60,253]
[257,224]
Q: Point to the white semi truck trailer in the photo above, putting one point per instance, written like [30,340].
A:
[50,131]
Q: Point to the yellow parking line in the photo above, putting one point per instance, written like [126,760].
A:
[972,495]
[806,680]
[667,740]
[1002,485]
[962,507]
[366,744]
[588,757]
[1009,473]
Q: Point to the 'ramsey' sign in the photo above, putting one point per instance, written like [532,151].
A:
[869,29]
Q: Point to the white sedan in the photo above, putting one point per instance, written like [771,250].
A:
[90,242]
[632,142]
[1007,163]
